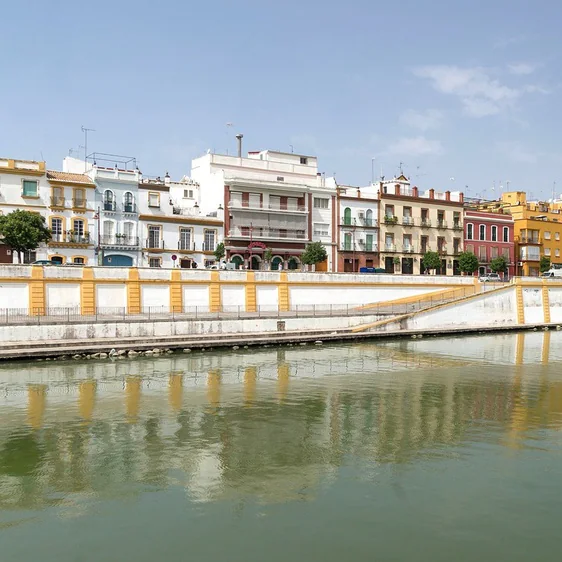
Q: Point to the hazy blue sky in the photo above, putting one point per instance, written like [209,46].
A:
[458,89]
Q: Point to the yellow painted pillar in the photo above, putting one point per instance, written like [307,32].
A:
[133,387]
[520,302]
[133,292]
[282,381]
[36,402]
[251,299]
[87,292]
[37,291]
[214,388]
[215,292]
[175,391]
[87,399]
[283,293]
[176,294]
[545,302]
[250,378]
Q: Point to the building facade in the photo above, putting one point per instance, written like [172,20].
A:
[488,236]
[273,202]
[357,221]
[412,224]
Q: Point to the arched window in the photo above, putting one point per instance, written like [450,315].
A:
[347,216]
[369,218]
[108,200]
[108,232]
[128,202]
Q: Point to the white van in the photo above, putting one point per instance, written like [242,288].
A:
[552,273]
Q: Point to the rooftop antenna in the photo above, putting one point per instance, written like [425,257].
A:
[228,126]
[553,191]
[400,165]
[291,148]
[85,130]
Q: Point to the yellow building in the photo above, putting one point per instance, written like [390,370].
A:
[538,229]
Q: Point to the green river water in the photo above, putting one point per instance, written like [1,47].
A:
[422,450]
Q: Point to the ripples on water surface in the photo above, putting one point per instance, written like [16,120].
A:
[434,449]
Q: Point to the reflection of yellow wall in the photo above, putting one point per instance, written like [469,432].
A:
[86,399]
[545,354]
[36,401]
[133,387]
[214,388]
[282,381]
[250,378]
[175,391]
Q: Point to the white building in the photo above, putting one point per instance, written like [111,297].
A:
[174,233]
[273,201]
[65,200]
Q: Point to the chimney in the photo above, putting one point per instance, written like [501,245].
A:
[167,179]
[447,195]
[432,193]
[461,197]
[239,138]
[415,192]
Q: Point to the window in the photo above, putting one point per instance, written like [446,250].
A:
[79,201]
[154,199]
[557,253]
[321,229]
[320,203]
[347,241]
[369,243]
[547,235]
[482,232]
[255,201]
[78,260]
[57,197]
[154,262]
[274,202]
[369,218]
[389,211]
[128,232]
[470,231]
[493,252]
[494,233]
[185,238]
[29,188]
[505,253]
[57,259]
[557,236]
[108,200]
[304,160]
[78,227]
[128,202]
[188,193]
[107,231]
[470,248]
[56,229]
[154,237]
[29,256]
[482,254]
[424,244]
[505,234]
[547,251]
[209,245]
[407,242]
[347,216]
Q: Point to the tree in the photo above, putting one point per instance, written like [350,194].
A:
[544,264]
[468,262]
[23,231]
[314,253]
[220,252]
[268,255]
[499,265]
[431,260]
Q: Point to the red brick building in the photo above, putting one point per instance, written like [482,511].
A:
[489,235]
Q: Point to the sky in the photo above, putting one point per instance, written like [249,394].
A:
[462,95]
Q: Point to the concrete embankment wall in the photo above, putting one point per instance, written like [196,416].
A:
[39,289]
[522,303]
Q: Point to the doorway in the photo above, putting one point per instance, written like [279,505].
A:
[255,262]
[186,263]
[389,264]
[407,266]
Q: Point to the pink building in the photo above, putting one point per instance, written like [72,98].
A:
[489,235]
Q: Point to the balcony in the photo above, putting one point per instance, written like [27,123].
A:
[209,246]
[70,237]
[120,240]
[425,223]
[442,250]
[154,244]
[390,220]
[271,233]
[408,249]
[457,225]
[456,251]
[288,208]
[58,202]
[528,240]
[186,245]
[407,221]
[441,224]
[79,203]
[130,208]
[389,248]
[109,206]
[370,222]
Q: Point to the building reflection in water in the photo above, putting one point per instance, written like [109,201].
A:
[267,425]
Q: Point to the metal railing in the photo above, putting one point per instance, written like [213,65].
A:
[261,232]
[119,240]
[40,316]
[109,206]
[58,201]
[70,237]
[153,243]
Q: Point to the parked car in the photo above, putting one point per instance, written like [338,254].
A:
[553,272]
[44,262]
[490,277]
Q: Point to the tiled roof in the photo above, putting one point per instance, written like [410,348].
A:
[65,176]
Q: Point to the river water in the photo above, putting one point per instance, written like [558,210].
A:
[422,450]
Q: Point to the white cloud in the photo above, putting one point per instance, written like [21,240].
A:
[479,93]
[422,120]
[522,68]
[415,146]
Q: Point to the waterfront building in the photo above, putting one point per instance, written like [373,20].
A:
[271,200]
[357,230]
[174,232]
[413,223]
[537,229]
[489,235]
